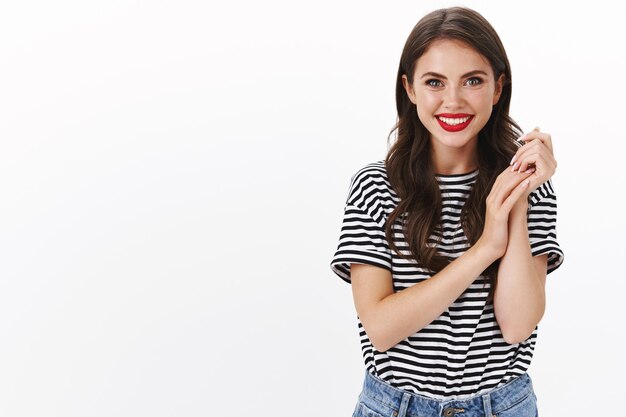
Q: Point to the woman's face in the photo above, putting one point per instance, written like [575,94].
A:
[454,91]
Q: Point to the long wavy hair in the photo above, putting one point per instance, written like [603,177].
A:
[408,162]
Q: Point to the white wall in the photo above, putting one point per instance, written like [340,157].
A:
[172,180]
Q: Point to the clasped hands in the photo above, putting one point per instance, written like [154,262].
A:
[533,162]
[532,165]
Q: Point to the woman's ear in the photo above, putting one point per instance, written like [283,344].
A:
[498,90]
[409,89]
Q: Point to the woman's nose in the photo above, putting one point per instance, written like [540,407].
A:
[453,97]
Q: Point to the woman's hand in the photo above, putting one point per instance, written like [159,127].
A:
[537,152]
[509,187]
[532,165]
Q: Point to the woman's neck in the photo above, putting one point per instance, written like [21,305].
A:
[452,161]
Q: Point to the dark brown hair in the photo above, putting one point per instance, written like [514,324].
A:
[408,162]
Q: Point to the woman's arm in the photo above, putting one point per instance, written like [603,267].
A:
[389,317]
[519,299]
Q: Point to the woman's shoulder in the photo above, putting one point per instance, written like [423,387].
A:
[370,184]
[373,170]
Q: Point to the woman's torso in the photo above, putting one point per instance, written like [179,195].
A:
[461,353]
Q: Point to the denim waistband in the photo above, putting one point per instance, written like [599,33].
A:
[401,403]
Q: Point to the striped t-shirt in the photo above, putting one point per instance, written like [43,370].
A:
[461,353]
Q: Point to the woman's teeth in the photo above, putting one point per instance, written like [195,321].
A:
[454,122]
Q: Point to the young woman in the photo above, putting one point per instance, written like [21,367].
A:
[448,241]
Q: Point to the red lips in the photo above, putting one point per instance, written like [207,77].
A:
[455,128]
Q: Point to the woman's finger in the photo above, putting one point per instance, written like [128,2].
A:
[508,181]
[528,135]
[533,147]
[544,167]
[539,158]
[529,138]
[545,138]
[515,194]
[523,146]
[535,159]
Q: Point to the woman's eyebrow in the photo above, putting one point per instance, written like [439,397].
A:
[434,74]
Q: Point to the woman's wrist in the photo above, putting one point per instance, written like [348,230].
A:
[520,208]
[487,251]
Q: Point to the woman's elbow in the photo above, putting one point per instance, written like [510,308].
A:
[378,338]
[513,335]
[513,339]
[381,346]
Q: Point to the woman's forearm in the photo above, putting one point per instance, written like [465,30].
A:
[519,299]
[405,312]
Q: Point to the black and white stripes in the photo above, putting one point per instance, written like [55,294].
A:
[462,352]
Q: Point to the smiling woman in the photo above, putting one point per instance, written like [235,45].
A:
[447,246]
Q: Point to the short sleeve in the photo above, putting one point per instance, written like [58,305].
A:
[362,240]
[542,225]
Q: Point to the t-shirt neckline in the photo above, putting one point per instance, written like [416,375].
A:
[471,173]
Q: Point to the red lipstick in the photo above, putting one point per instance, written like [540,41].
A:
[454,128]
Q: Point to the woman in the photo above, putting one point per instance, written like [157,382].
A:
[448,241]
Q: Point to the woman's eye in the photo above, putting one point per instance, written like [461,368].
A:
[430,83]
[479,80]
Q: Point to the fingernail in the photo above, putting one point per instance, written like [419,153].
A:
[513,160]
[529,170]
[514,166]
[526,135]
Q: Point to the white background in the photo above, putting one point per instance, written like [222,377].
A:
[172,181]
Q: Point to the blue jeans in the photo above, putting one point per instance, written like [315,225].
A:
[378,398]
